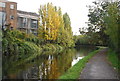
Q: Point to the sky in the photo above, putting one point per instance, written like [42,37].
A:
[76,10]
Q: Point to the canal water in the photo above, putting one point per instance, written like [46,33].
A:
[49,65]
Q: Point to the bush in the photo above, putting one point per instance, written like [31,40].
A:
[113,58]
[14,43]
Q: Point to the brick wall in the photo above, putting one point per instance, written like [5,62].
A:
[11,11]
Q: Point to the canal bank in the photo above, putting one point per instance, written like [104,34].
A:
[97,65]
[74,72]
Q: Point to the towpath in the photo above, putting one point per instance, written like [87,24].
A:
[99,67]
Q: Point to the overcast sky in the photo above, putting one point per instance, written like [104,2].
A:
[76,9]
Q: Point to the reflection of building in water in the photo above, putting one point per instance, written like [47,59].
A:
[10,16]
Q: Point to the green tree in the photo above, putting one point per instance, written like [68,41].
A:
[104,22]
[112,20]
[68,35]
[96,24]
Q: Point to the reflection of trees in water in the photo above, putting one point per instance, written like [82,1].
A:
[12,69]
[46,66]
[56,64]
[84,50]
[66,59]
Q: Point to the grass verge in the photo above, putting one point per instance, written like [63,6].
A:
[113,58]
[74,72]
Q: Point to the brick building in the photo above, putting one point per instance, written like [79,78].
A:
[16,19]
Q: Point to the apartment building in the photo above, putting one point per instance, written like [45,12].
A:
[28,22]
[16,19]
[8,11]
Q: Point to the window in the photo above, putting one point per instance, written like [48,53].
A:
[2,4]
[20,22]
[11,17]
[2,20]
[34,23]
[12,6]
[24,22]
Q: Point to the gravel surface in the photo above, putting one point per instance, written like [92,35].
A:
[99,68]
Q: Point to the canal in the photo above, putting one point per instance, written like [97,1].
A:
[48,65]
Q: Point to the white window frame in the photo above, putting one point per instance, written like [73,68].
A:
[2,4]
[12,6]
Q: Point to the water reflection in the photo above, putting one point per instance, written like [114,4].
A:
[47,66]
[76,60]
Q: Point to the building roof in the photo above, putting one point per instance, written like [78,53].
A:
[28,13]
[5,1]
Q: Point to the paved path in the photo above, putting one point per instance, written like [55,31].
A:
[99,68]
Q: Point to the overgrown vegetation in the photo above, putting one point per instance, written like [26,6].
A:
[74,72]
[113,58]
[103,25]
[16,43]
[81,40]
[19,43]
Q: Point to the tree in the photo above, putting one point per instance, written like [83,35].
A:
[112,20]
[54,26]
[65,36]
[68,35]
[61,28]
[104,23]
[96,24]
[50,22]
